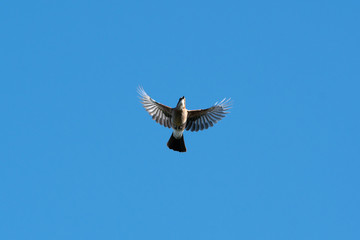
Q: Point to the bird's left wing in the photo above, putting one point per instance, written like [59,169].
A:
[205,118]
[159,112]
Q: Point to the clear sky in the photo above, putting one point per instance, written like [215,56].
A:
[81,159]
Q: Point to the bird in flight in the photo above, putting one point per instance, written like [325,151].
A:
[180,119]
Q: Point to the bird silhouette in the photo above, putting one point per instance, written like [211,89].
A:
[181,119]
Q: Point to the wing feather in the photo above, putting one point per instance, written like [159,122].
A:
[159,112]
[205,118]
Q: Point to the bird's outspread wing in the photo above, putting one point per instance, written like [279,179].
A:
[159,112]
[205,118]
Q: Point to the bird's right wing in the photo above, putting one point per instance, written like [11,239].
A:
[205,118]
[159,112]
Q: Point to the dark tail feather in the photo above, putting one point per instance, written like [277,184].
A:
[177,144]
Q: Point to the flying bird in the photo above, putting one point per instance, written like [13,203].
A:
[180,119]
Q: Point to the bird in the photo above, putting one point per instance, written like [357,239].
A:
[181,119]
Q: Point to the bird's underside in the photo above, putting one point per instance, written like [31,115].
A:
[180,119]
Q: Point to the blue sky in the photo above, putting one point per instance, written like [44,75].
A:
[81,159]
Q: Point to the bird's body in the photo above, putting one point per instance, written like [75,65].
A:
[178,122]
[181,119]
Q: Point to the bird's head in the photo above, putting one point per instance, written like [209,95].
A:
[181,103]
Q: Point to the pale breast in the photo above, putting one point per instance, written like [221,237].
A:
[179,118]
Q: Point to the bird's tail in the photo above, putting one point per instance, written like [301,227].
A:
[177,144]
